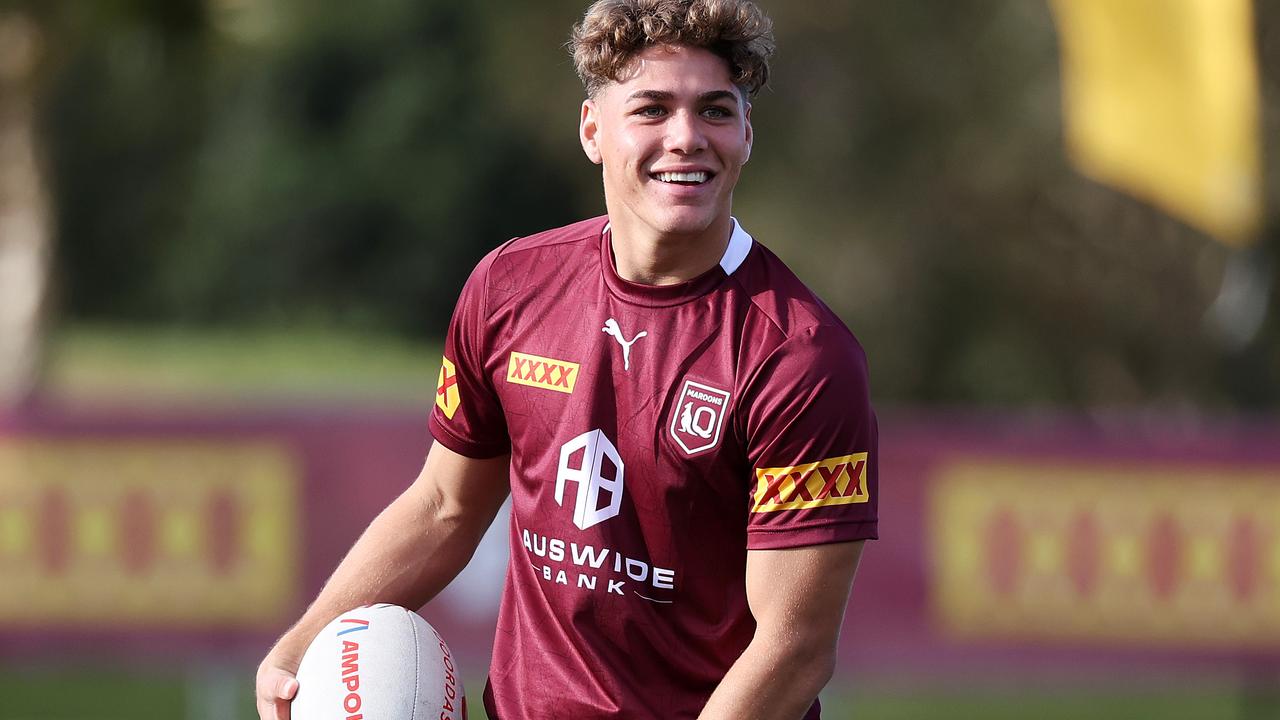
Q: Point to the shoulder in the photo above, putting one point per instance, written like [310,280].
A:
[527,260]
[531,261]
[788,317]
[804,375]
[584,233]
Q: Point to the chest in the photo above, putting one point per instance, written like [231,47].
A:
[600,391]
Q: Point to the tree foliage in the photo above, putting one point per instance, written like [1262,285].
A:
[335,163]
[350,169]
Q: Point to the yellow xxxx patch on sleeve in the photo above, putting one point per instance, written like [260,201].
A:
[447,397]
[834,481]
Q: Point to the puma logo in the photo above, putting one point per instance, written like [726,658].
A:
[611,328]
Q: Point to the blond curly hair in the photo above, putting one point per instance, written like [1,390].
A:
[613,32]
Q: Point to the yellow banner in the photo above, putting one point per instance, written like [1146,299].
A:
[1161,99]
[147,533]
[1106,553]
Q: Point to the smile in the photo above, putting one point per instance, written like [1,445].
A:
[683,178]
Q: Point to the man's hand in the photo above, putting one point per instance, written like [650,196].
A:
[408,554]
[276,688]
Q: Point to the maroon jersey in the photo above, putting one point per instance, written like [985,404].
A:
[657,433]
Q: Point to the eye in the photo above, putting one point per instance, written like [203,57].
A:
[716,112]
[651,111]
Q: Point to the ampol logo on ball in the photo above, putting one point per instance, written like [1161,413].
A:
[351,666]
[379,662]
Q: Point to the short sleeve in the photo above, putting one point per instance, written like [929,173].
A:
[467,417]
[812,441]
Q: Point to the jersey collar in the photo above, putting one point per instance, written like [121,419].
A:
[735,254]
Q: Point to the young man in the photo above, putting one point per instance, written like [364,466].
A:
[683,427]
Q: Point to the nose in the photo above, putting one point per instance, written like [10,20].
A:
[684,133]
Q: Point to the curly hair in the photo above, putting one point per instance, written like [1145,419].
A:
[613,32]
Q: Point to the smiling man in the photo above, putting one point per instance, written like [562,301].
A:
[683,428]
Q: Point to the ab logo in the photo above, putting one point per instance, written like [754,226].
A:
[583,461]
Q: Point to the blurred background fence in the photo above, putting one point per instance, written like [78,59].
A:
[232,231]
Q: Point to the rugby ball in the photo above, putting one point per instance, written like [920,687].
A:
[379,662]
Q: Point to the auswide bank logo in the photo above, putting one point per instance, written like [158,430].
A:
[590,480]
[698,416]
[593,463]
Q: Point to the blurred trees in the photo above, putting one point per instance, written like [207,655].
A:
[246,161]
[978,267]
[302,161]
[24,208]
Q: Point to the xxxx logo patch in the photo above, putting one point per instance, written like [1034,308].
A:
[447,397]
[541,372]
[834,481]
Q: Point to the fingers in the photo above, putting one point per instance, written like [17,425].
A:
[273,709]
[275,692]
[287,687]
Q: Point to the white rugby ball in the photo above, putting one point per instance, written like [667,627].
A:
[379,662]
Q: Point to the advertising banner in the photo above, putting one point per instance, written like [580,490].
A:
[1002,544]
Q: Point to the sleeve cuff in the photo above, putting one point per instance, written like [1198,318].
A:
[781,538]
[474,450]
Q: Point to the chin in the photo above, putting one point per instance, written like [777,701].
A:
[691,223]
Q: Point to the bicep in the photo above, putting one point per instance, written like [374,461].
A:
[452,485]
[801,593]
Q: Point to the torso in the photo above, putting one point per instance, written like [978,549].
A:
[631,477]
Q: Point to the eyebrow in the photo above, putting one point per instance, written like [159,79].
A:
[663,95]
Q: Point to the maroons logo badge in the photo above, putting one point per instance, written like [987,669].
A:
[698,417]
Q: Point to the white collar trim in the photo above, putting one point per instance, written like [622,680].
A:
[735,253]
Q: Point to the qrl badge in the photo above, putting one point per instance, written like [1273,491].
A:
[698,416]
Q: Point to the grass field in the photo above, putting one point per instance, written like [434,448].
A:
[105,365]
[87,694]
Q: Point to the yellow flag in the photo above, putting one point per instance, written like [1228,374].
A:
[1161,100]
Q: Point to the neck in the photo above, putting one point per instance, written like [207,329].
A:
[651,258]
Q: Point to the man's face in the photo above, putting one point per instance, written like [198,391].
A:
[672,135]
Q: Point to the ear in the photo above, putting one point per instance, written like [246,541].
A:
[750,137]
[589,129]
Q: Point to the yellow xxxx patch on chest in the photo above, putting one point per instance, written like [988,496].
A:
[542,372]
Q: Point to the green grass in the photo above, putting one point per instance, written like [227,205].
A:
[1064,703]
[88,695]
[84,693]
[94,694]
[105,365]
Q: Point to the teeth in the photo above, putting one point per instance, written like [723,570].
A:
[694,177]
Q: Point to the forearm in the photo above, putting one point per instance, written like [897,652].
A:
[410,552]
[798,597]
[777,677]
